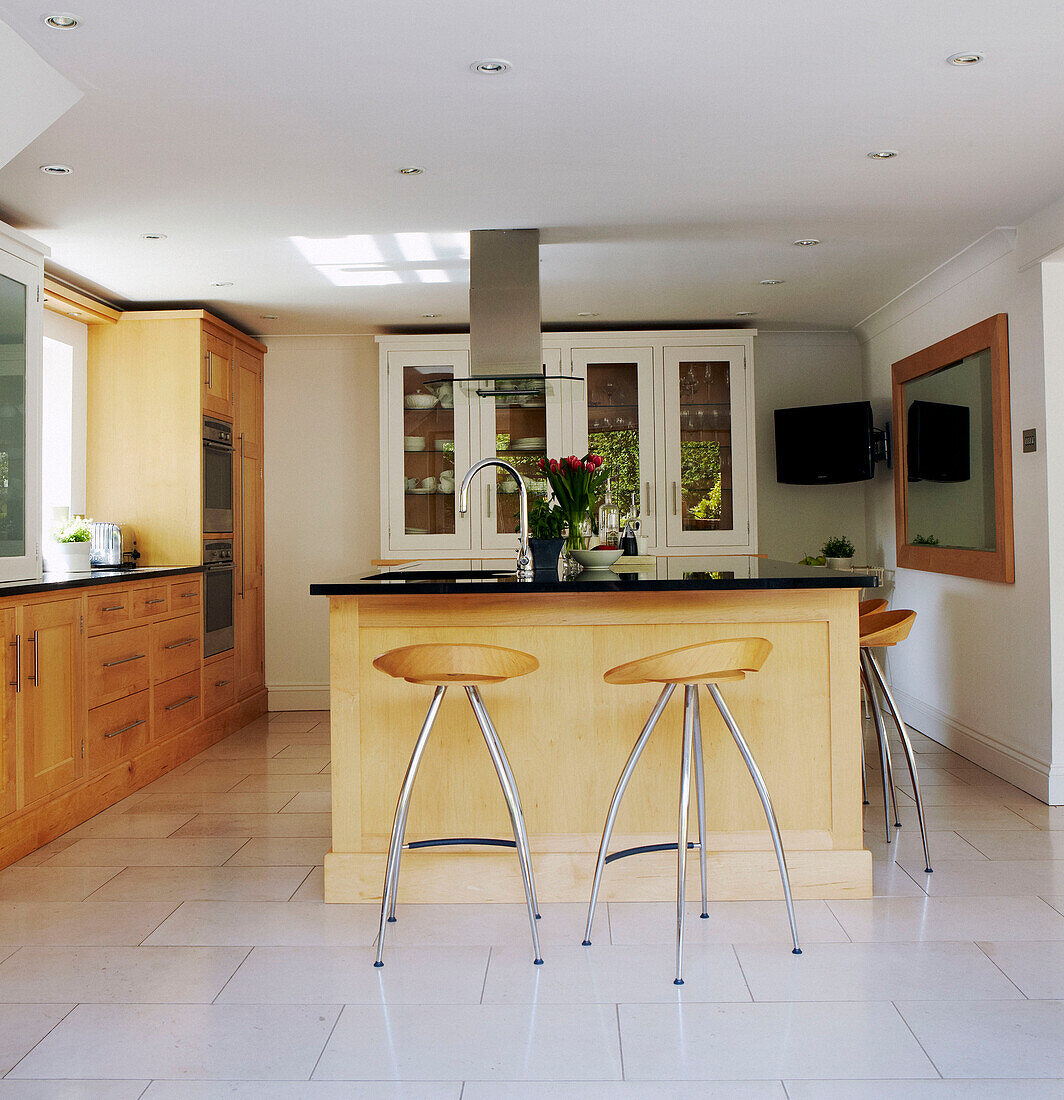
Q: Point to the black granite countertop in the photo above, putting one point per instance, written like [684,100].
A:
[55,581]
[667,574]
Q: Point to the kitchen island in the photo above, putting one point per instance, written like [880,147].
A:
[568,734]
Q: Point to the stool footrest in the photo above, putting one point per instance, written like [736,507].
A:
[646,848]
[463,840]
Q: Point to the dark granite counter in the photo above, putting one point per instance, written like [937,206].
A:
[666,574]
[55,581]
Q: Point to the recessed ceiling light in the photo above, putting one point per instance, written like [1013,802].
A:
[410,170]
[56,169]
[153,236]
[491,66]
[883,154]
[806,242]
[746,313]
[221,284]
[964,58]
[267,316]
[430,315]
[770,282]
[60,21]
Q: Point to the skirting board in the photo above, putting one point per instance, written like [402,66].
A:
[1033,776]
[298,696]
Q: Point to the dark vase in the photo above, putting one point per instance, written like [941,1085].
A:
[545,554]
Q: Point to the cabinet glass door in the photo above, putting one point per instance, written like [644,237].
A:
[21,343]
[429,445]
[619,423]
[519,427]
[706,438]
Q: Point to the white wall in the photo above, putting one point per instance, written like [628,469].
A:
[975,672]
[805,368]
[321,474]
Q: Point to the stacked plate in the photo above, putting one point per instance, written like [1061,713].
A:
[530,443]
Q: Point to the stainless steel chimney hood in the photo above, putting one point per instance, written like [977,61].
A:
[505,339]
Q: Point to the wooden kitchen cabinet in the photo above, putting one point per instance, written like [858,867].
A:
[51,716]
[217,393]
[8,697]
[249,618]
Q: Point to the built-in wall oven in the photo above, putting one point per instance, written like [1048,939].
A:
[218,633]
[217,476]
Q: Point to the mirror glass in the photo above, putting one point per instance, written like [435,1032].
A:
[949,455]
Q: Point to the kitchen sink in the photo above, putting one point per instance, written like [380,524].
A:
[439,574]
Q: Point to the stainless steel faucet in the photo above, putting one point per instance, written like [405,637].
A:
[525,571]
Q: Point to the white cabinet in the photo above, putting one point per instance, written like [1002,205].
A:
[671,411]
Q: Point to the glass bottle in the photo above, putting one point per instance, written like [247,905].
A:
[609,519]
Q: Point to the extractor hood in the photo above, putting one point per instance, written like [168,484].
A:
[505,339]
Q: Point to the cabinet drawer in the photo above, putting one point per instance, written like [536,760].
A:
[177,705]
[117,665]
[111,607]
[151,601]
[219,685]
[185,596]
[118,731]
[176,647]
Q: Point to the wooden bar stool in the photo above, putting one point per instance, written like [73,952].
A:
[468,665]
[709,663]
[888,628]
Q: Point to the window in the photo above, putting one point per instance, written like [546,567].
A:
[63,421]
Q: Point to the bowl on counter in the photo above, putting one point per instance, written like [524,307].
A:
[596,561]
[419,400]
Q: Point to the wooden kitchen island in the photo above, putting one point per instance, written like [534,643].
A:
[568,734]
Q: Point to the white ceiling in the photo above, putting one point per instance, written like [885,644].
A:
[670,152]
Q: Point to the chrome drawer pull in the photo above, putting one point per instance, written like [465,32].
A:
[17,643]
[124,660]
[182,702]
[221,683]
[132,725]
[178,645]
[117,607]
[189,595]
[148,603]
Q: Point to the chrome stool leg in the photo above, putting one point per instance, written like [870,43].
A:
[402,808]
[910,756]
[502,769]
[766,802]
[889,794]
[615,802]
[689,694]
[700,798]
[864,777]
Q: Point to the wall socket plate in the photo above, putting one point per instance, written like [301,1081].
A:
[1030,440]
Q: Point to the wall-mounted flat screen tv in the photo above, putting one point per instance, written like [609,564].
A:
[825,444]
[938,444]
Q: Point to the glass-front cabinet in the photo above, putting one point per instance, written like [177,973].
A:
[671,412]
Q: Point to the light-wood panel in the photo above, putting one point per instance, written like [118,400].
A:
[150,601]
[117,664]
[219,685]
[185,595]
[108,609]
[8,716]
[176,647]
[118,731]
[217,389]
[176,705]
[249,383]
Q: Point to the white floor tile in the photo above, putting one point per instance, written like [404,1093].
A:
[59,923]
[1037,968]
[132,824]
[891,880]
[625,1090]
[300,1090]
[277,924]
[486,1042]
[923,1090]
[222,1042]
[118,974]
[990,1038]
[728,922]
[294,781]
[52,883]
[138,852]
[24,1025]
[72,1090]
[604,974]
[492,924]
[256,765]
[309,802]
[872,972]
[1043,817]
[1017,845]
[907,848]
[313,887]
[258,824]
[281,852]
[194,802]
[346,975]
[304,752]
[996,877]
[758,1041]
[969,918]
[178,884]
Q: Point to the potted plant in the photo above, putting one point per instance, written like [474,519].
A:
[576,482]
[69,550]
[546,531]
[838,552]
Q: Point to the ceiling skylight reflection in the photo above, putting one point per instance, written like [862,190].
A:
[388,258]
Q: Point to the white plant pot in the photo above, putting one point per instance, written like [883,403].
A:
[67,557]
[845,564]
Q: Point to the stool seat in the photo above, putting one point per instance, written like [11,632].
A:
[870,607]
[885,628]
[455,664]
[704,663]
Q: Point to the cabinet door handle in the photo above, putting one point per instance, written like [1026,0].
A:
[124,729]
[243,549]
[117,607]
[148,603]
[221,683]
[208,358]
[36,669]
[178,645]
[674,499]
[182,702]
[646,502]
[17,682]
[189,595]
[488,497]
[124,660]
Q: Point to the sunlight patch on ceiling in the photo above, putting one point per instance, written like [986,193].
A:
[388,258]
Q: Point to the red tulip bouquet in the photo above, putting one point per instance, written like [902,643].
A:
[576,482]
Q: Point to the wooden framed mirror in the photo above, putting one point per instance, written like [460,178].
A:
[953,459]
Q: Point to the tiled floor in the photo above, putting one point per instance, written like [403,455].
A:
[176,948]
